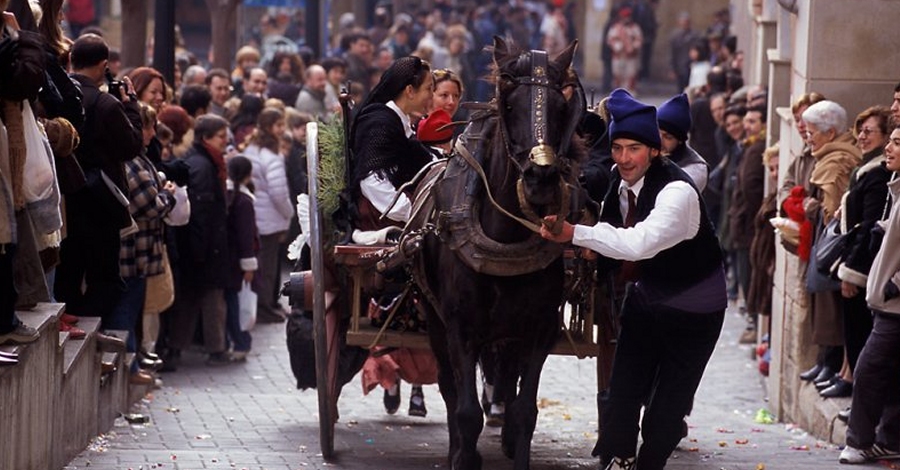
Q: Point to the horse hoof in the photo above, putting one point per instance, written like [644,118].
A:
[494,420]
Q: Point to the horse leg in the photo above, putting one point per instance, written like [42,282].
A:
[446,382]
[469,417]
[522,412]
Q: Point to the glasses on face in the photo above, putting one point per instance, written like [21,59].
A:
[866,131]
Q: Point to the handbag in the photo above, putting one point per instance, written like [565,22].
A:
[160,293]
[830,246]
[247,304]
[819,279]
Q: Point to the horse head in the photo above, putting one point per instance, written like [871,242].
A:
[539,103]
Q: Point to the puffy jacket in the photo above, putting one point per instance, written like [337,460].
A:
[273,201]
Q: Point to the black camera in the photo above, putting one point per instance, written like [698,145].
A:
[113,86]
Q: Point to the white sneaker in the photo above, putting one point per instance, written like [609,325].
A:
[619,463]
[852,455]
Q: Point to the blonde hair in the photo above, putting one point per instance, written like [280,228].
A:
[769,153]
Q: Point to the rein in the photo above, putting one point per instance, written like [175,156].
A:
[533,222]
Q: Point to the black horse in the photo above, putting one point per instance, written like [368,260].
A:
[488,277]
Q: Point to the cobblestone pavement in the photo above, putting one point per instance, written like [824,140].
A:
[250,416]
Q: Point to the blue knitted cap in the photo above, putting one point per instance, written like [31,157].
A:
[632,119]
[674,117]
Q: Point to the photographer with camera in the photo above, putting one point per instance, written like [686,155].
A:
[110,136]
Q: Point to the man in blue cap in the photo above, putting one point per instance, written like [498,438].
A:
[674,118]
[654,234]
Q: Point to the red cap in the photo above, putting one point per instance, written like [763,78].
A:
[435,128]
[625,12]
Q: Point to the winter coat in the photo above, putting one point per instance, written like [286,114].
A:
[831,174]
[862,206]
[243,238]
[203,242]
[747,194]
[273,200]
[886,266]
[141,253]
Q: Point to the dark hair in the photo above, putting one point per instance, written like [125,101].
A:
[761,109]
[733,81]
[239,168]
[221,73]
[262,136]
[352,38]
[207,126]
[93,29]
[738,110]
[332,62]
[731,44]
[194,98]
[897,88]
[716,80]
[248,111]
[702,48]
[297,65]
[89,50]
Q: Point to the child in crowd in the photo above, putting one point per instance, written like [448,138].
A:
[243,245]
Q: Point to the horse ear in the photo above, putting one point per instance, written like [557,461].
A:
[564,59]
[501,49]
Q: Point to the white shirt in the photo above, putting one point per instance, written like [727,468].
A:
[675,217]
[379,191]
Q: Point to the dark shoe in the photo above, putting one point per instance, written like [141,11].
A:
[827,383]
[109,343]
[844,415]
[21,335]
[170,361]
[417,403]
[825,374]
[811,373]
[392,402]
[9,355]
[218,359]
[840,389]
[619,463]
[149,364]
[8,361]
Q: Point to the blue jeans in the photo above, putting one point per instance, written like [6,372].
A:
[128,310]
[240,339]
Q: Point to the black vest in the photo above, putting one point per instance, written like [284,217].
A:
[685,264]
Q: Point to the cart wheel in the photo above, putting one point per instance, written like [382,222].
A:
[325,369]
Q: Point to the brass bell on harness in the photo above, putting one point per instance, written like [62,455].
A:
[542,154]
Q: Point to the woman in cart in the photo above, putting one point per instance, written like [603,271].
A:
[386,156]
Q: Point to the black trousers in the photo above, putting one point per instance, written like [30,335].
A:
[661,352]
[8,321]
[87,278]
[857,325]
[876,387]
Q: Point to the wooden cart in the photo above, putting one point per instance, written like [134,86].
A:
[355,265]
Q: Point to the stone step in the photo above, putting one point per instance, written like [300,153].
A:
[73,349]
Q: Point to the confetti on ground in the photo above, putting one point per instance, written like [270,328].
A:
[546,403]
[693,449]
[202,437]
[741,442]
[725,431]
[723,444]
[763,416]
[760,466]
[172,409]
[803,447]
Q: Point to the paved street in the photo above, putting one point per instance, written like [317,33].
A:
[250,416]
